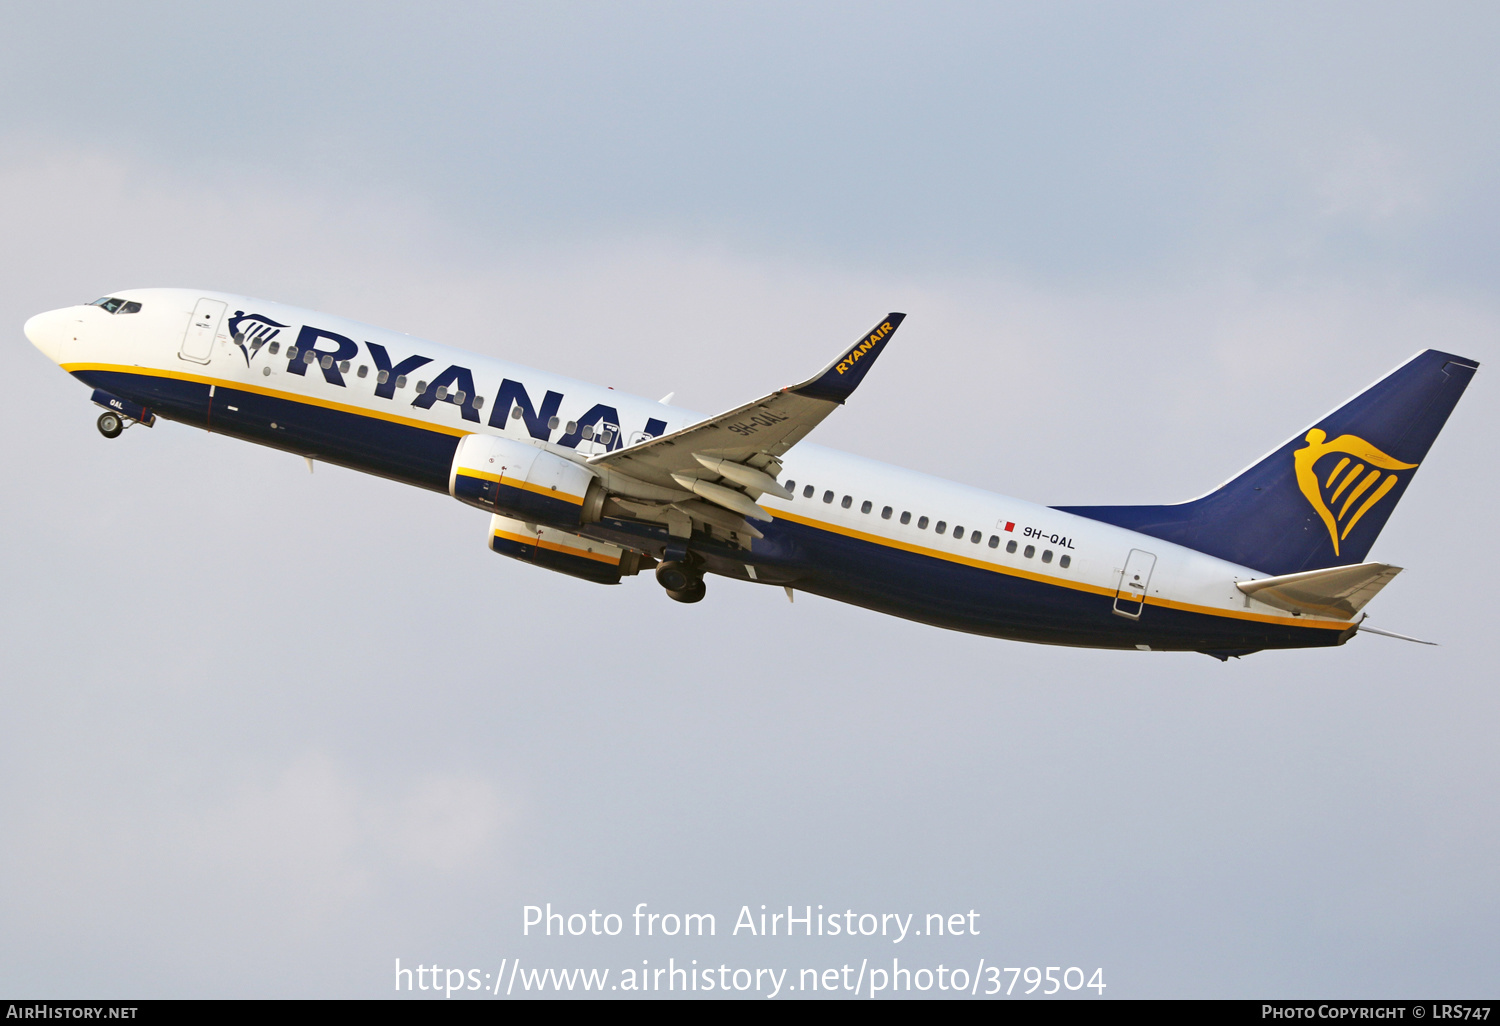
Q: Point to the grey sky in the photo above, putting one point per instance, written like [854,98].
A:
[264,732]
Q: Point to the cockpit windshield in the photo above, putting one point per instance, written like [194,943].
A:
[110,304]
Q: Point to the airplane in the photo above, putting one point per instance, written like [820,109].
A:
[600,485]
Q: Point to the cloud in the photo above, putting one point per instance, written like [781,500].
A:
[1363,178]
[290,847]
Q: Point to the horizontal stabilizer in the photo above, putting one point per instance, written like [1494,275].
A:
[1339,591]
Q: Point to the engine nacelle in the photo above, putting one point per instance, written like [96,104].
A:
[502,475]
[566,553]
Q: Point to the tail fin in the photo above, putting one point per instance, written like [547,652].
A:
[1321,499]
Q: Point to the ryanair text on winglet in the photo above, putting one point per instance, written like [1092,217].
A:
[864,347]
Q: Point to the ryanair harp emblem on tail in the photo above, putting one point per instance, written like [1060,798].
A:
[1361,472]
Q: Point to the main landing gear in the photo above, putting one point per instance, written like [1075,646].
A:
[682,580]
[111,424]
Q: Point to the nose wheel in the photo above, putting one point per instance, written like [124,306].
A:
[110,424]
[683,581]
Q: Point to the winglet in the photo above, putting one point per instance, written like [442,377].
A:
[841,377]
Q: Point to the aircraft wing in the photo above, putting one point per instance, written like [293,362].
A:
[739,451]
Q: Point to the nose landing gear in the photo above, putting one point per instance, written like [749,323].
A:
[682,580]
[119,414]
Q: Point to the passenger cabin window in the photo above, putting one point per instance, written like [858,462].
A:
[827,496]
[1047,556]
[885,514]
[400,380]
[807,492]
[906,517]
[994,541]
[344,367]
[552,422]
[421,386]
[363,370]
[326,362]
[942,527]
[381,377]
[865,506]
[479,405]
[958,532]
[1065,562]
[848,501]
[515,414]
[277,345]
[1010,546]
[921,523]
[1030,551]
[976,536]
[791,486]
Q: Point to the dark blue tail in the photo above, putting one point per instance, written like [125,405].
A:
[1321,499]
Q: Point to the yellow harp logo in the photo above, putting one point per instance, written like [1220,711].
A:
[1342,481]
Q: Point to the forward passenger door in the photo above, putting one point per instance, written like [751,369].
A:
[198,342]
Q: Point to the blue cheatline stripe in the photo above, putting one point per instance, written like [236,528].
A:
[397,448]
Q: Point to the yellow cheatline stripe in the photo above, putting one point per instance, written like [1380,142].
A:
[526,539]
[551,493]
[1342,464]
[1379,493]
[306,400]
[1363,487]
[1059,582]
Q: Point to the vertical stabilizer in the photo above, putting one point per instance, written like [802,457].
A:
[1320,499]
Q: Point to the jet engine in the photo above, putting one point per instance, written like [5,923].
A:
[502,475]
[566,553]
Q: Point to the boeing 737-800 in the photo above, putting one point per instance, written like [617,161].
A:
[590,482]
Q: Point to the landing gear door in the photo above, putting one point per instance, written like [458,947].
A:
[198,343]
[1130,597]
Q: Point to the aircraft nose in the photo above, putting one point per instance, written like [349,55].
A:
[47,330]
